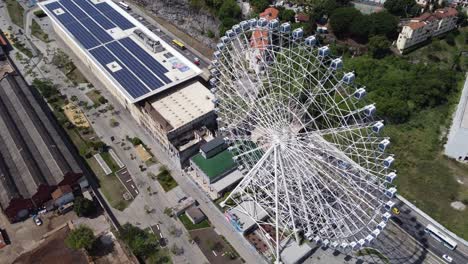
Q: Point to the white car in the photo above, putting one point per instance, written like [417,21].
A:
[447,258]
[38,221]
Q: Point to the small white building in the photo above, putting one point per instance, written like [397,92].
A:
[293,253]
[245,216]
[427,25]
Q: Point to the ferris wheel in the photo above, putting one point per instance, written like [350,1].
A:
[316,165]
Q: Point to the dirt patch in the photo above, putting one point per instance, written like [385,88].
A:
[75,115]
[53,251]
[214,247]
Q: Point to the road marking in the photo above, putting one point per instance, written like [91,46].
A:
[419,243]
[157,226]
[129,180]
[214,253]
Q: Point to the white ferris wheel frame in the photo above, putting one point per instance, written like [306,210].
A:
[323,176]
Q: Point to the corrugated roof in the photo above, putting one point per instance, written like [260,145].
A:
[31,149]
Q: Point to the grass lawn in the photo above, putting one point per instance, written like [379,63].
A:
[218,201]
[190,226]
[426,177]
[165,179]
[37,31]
[15,10]
[441,52]
[110,186]
[106,156]
[22,47]
[77,140]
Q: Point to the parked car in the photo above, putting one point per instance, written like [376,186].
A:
[3,243]
[37,220]
[196,61]
[396,211]
[447,258]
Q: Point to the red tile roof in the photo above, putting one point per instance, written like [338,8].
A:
[445,12]
[301,17]
[416,25]
[437,15]
[61,190]
[270,13]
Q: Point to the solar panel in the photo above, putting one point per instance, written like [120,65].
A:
[131,62]
[114,16]
[125,60]
[149,61]
[94,13]
[82,35]
[64,17]
[97,31]
[73,9]
[127,80]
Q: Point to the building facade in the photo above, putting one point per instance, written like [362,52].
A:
[427,25]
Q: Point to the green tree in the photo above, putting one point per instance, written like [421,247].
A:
[46,87]
[401,8]
[286,15]
[379,46]
[215,4]
[229,9]
[341,20]
[360,28]
[141,242]
[80,238]
[259,5]
[396,86]
[84,207]
[383,23]
[450,39]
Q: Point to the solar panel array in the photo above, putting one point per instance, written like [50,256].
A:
[137,71]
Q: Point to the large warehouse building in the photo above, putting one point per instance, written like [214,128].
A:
[139,69]
[34,159]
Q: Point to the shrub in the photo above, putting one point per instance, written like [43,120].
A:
[80,238]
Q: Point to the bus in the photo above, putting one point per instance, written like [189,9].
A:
[179,44]
[124,5]
[441,237]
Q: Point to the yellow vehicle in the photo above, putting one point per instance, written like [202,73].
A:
[178,44]
[396,211]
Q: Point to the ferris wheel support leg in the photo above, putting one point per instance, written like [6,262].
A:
[293,220]
[278,257]
[248,178]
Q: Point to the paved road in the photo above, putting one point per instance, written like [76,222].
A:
[457,138]
[167,36]
[414,225]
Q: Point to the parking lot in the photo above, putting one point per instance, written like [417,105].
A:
[126,179]
[24,236]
